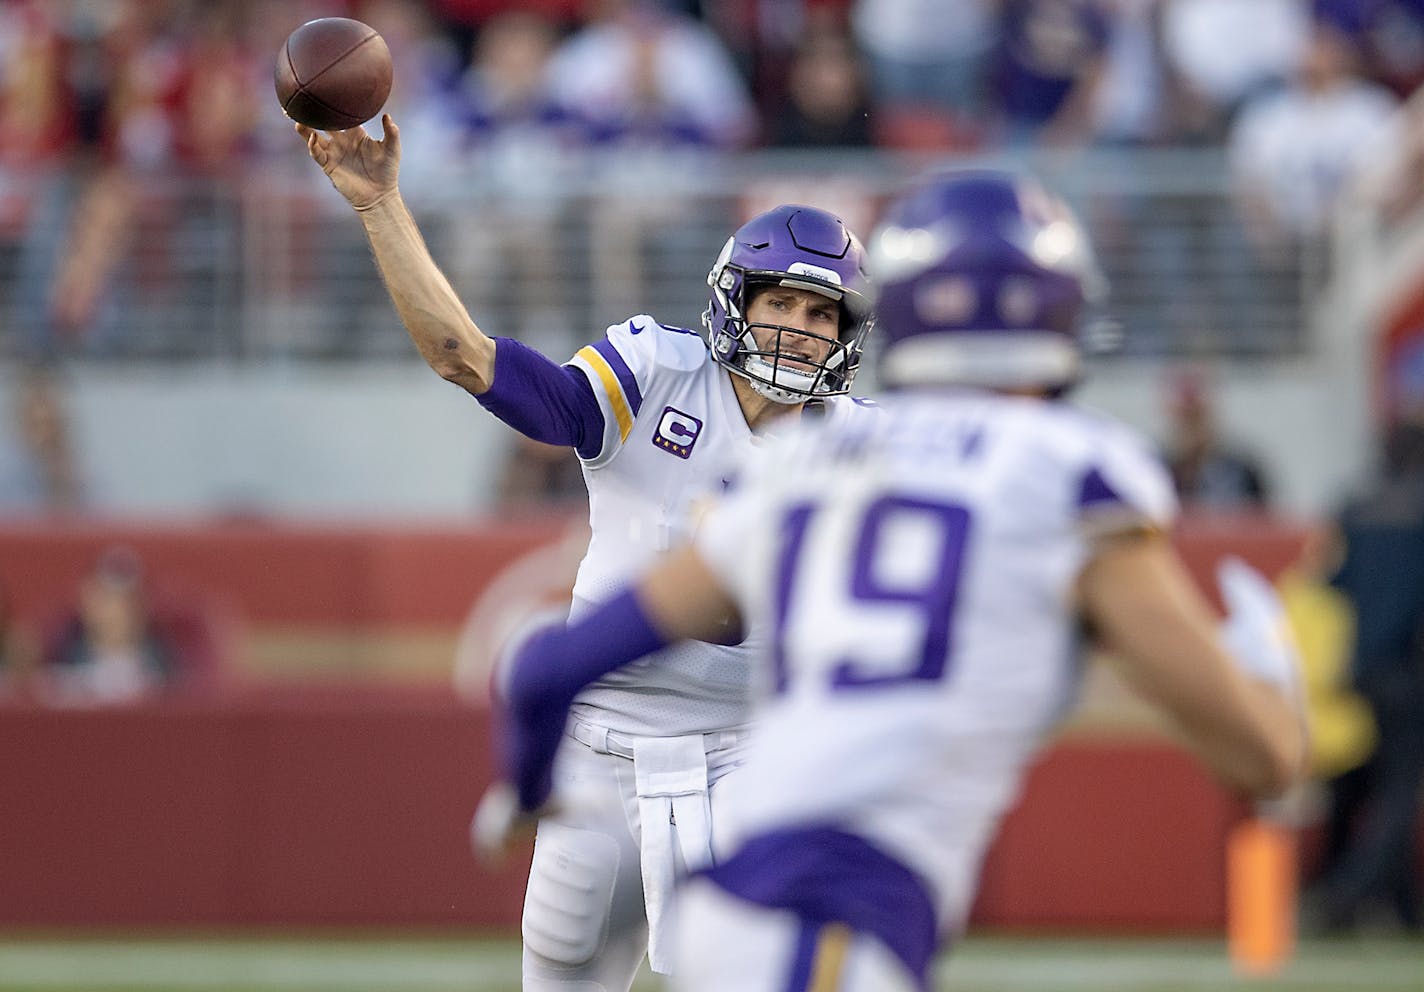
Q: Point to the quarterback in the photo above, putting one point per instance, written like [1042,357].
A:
[925,577]
[660,417]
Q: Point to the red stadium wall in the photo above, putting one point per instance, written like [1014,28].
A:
[342,805]
[350,809]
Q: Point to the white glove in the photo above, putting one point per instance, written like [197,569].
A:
[1256,632]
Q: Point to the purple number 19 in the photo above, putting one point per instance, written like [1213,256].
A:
[931,597]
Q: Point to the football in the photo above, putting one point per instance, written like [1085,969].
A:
[333,73]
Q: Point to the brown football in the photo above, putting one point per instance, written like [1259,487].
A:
[333,73]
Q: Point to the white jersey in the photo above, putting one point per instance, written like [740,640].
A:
[917,573]
[674,433]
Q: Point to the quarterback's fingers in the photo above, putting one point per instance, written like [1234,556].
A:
[500,823]
[316,144]
[390,133]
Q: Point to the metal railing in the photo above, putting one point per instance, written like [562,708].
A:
[274,267]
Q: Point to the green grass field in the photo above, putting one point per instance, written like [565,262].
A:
[982,964]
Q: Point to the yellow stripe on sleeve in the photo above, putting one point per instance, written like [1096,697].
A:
[612,387]
[831,948]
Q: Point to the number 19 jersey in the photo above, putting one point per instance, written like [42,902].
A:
[916,572]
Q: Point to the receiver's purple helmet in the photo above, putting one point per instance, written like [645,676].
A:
[984,278]
[794,246]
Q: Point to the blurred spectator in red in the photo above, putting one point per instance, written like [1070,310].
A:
[1293,150]
[123,641]
[39,473]
[827,102]
[1226,52]
[105,93]
[1049,64]
[1208,472]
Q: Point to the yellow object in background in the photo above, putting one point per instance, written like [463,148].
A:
[1341,729]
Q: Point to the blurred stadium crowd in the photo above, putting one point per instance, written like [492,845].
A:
[183,83]
[101,100]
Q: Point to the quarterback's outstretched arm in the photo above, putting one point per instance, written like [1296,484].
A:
[548,402]
[1239,717]
[365,171]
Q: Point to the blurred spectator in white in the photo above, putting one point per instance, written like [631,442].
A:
[517,143]
[929,55]
[1134,101]
[38,471]
[827,102]
[1293,150]
[1050,62]
[1209,472]
[1226,52]
[641,75]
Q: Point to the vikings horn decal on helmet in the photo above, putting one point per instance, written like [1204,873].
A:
[801,247]
[984,278]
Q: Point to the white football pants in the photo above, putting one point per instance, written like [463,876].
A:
[587,908]
[724,943]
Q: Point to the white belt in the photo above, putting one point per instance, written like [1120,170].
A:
[674,813]
[605,741]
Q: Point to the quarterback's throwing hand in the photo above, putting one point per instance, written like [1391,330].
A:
[361,168]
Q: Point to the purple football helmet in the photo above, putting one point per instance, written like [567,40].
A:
[801,247]
[984,280]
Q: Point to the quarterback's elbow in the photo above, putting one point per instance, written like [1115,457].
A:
[1269,778]
[459,371]
[1277,764]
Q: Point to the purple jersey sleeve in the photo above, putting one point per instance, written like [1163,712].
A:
[549,670]
[545,401]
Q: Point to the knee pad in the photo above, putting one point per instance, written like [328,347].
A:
[570,894]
